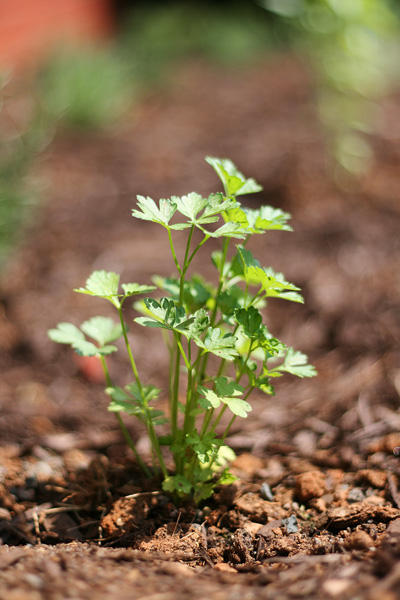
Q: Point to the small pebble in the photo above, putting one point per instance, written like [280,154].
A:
[290,524]
[355,495]
[310,484]
[359,540]
[266,493]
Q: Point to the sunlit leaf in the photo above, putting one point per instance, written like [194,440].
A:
[149,211]
[234,181]
[167,315]
[102,329]
[250,319]
[218,343]
[103,284]
[67,333]
[238,406]
[296,363]
[132,289]
[228,388]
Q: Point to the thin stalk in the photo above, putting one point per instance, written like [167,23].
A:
[195,251]
[233,418]
[203,364]
[149,423]
[175,372]
[171,388]
[188,420]
[122,425]
[219,417]
[227,430]
[181,350]
[171,243]
[186,263]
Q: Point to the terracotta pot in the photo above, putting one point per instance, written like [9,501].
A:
[30,28]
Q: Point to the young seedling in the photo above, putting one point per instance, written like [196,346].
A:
[214,333]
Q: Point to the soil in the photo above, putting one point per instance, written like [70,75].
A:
[315,512]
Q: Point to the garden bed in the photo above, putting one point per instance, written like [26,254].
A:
[316,508]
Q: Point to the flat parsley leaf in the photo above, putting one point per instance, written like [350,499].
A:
[296,363]
[218,343]
[235,183]
[149,211]
[167,315]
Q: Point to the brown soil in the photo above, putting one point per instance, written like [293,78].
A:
[315,512]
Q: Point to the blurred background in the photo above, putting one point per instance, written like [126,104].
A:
[101,100]
[84,64]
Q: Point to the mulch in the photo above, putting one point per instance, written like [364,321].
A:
[315,511]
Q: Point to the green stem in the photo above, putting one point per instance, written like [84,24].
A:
[149,423]
[186,263]
[203,364]
[122,425]
[188,422]
[219,417]
[175,373]
[171,243]
[181,350]
[239,375]
[129,350]
[195,251]
[227,430]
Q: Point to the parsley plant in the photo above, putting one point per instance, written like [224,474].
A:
[214,333]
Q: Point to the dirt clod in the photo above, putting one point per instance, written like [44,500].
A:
[310,485]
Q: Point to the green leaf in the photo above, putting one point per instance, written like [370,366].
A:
[132,289]
[85,348]
[228,392]
[203,490]
[228,388]
[223,345]
[238,406]
[103,284]
[273,284]
[102,329]
[250,320]
[161,214]
[196,291]
[168,315]
[134,401]
[260,220]
[145,393]
[177,483]
[200,323]
[66,333]
[217,204]
[265,386]
[230,230]
[296,363]
[271,345]
[202,211]
[246,259]
[209,398]
[226,478]
[234,181]
[204,447]
[190,205]
[270,218]
[229,300]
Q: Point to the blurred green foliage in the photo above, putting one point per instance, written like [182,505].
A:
[18,192]
[352,46]
[154,35]
[85,88]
